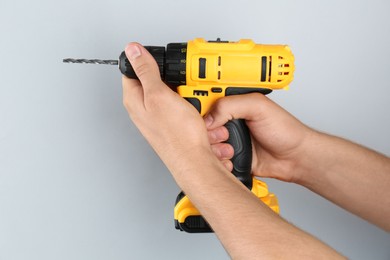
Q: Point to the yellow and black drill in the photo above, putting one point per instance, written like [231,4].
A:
[204,71]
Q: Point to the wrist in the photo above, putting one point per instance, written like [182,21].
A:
[321,155]
[184,163]
[307,162]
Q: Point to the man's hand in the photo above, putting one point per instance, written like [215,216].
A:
[278,138]
[165,119]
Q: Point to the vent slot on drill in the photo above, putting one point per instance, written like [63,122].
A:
[263,68]
[282,64]
[219,65]
[202,68]
[200,93]
[270,66]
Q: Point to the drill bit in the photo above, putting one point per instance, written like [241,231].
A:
[95,61]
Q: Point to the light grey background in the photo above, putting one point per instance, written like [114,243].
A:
[78,181]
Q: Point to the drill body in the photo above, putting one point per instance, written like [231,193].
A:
[204,71]
[217,69]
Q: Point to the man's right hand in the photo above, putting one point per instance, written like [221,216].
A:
[278,138]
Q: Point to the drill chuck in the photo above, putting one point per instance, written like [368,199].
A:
[157,52]
[171,62]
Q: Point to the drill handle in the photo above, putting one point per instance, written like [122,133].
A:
[240,139]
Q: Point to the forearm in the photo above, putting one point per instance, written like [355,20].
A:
[246,227]
[354,177]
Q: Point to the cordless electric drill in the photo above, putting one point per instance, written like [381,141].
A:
[204,71]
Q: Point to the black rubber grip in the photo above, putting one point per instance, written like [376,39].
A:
[239,138]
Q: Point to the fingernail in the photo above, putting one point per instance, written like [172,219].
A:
[208,120]
[133,51]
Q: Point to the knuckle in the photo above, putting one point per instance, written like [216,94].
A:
[142,69]
[216,150]
[146,69]
[221,109]
[226,103]
[126,103]
[220,103]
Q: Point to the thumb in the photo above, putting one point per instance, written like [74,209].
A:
[144,65]
[246,106]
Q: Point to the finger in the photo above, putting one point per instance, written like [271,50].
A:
[144,65]
[246,106]
[223,151]
[218,135]
[228,165]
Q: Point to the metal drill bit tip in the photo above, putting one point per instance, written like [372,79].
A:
[85,61]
